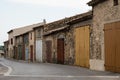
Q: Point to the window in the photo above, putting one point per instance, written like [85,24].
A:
[38,33]
[115,2]
[11,41]
[31,36]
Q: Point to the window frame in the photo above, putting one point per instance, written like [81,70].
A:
[115,2]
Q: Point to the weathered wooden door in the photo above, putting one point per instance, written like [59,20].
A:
[48,51]
[82,41]
[19,52]
[117,35]
[31,53]
[112,46]
[109,47]
[60,51]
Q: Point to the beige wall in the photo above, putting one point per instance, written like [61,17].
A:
[102,13]
[21,31]
[10,46]
[31,42]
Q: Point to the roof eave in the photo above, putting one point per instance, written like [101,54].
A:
[10,31]
[95,2]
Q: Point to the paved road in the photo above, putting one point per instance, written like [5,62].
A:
[45,71]
[47,78]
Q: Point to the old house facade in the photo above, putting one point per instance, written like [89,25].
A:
[11,44]
[31,46]
[51,36]
[38,43]
[61,38]
[21,43]
[26,46]
[81,30]
[19,48]
[106,24]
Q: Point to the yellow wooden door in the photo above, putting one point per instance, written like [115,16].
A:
[82,41]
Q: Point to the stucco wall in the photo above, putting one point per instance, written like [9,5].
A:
[103,13]
[31,43]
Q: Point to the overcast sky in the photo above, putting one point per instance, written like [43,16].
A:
[19,13]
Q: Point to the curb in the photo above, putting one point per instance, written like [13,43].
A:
[9,70]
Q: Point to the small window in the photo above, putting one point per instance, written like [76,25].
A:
[38,33]
[115,2]
[31,36]
[11,41]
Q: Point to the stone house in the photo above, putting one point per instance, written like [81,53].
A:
[60,40]
[21,47]
[106,40]
[21,43]
[38,36]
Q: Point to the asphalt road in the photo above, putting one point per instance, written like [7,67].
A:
[45,71]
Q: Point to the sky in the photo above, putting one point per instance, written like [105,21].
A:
[20,13]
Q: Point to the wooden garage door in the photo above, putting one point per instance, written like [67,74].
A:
[48,50]
[60,51]
[82,41]
[112,46]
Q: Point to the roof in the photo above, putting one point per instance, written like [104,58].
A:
[95,2]
[1,51]
[23,30]
[64,23]
[10,31]
[83,17]
[6,41]
[38,27]
[55,30]
[69,19]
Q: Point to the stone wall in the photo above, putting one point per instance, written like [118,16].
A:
[69,42]
[68,46]
[103,13]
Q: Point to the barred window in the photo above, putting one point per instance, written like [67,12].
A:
[115,2]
